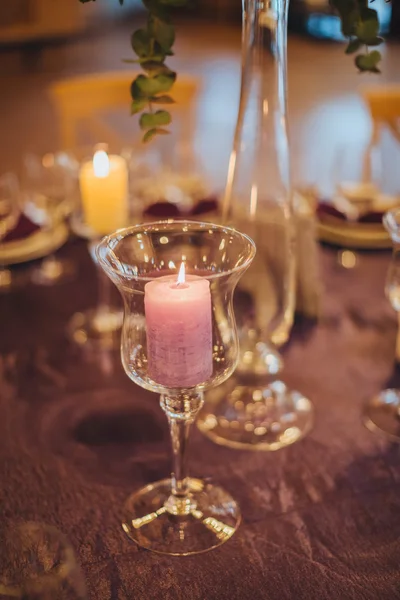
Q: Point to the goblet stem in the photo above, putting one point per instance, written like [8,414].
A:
[181,411]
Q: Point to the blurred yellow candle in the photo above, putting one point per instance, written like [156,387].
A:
[104,191]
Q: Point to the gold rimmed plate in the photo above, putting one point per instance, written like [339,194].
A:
[37,245]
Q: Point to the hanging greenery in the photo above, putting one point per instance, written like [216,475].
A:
[153,44]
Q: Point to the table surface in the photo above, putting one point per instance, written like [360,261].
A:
[321,519]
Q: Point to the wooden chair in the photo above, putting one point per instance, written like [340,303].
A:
[383,103]
[85,104]
[384,108]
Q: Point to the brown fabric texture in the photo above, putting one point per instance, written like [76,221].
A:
[321,519]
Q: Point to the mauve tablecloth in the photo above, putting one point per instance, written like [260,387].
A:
[321,519]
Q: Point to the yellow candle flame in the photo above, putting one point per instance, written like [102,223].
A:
[181,274]
[101,164]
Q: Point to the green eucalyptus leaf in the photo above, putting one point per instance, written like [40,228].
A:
[353,46]
[164,99]
[150,86]
[150,134]
[368,62]
[376,41]
[163,33]
[138,105]
[163,117]
[147,121]
[368,27]
[157,10]
[153,132]
[349,22]
[141,42]
[136,92]
[150,120]
[162,131]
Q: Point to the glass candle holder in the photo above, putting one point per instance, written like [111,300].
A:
[103,208]
[50,184]
[179,339]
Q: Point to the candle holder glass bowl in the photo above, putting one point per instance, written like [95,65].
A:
[382,412]
[181,515]
[98,327]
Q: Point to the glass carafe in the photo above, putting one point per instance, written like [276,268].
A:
[254,410]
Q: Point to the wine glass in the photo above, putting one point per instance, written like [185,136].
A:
[178,339]
[9,214]
[382,412]
[38,563]
[50,184]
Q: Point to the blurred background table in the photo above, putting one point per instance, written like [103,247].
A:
[320,519]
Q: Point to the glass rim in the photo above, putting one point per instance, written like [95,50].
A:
[169,224]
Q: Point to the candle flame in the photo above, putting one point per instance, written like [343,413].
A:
[101,164]
[181,274]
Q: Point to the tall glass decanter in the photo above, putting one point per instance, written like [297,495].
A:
[254,410]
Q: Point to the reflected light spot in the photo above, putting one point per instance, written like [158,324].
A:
[260,430]
[48,161]
[253,199]
[291,435]
[210,422]
[171,264]
[347,259]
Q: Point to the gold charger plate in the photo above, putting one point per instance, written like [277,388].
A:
[360,236]
[35,246]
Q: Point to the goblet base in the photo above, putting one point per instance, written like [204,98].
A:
[97,327]
[53,271]
[382,414]
[251,417]
[205,519]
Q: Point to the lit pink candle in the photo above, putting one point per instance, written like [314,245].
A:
[179,330]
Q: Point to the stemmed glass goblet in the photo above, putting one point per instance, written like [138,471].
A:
[178,339]
[50,183]
[382,412]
